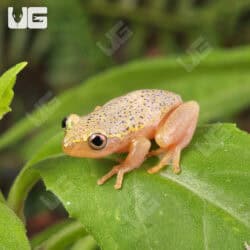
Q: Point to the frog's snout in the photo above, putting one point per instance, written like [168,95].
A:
[65,146]
[68,149]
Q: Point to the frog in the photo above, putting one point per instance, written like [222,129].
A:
[129,124]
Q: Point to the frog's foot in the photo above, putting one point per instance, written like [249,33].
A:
[107,176]
[171,156]
[120,170]
[138,151]
[123,169]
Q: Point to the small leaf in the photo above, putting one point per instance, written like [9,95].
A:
[7,81]
[12,231]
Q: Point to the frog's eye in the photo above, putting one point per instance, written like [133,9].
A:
[97,141]
[64,122]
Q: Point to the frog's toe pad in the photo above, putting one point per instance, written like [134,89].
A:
[154,169]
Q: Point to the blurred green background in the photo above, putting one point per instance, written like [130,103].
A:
[70,49]
[84,38]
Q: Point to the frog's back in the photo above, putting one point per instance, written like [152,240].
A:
[133,111]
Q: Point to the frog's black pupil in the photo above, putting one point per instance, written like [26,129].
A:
[64,122]
[97,141]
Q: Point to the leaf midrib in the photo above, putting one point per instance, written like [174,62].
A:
[208,200]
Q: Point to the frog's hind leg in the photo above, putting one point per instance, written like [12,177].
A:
[175,134]
[137,153]
[156,152]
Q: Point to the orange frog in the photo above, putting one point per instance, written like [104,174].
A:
[127,124]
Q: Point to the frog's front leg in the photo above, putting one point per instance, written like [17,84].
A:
[138,150]
[175,134]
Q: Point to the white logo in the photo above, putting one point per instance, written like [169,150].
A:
[31,18]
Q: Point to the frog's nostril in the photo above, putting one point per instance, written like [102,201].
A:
[64,121]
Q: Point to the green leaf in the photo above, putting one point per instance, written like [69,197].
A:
[205,207]
[59,236]
[12,231]
[2,199]
[7,81]
[220,83]
[86,243]
[28,177]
